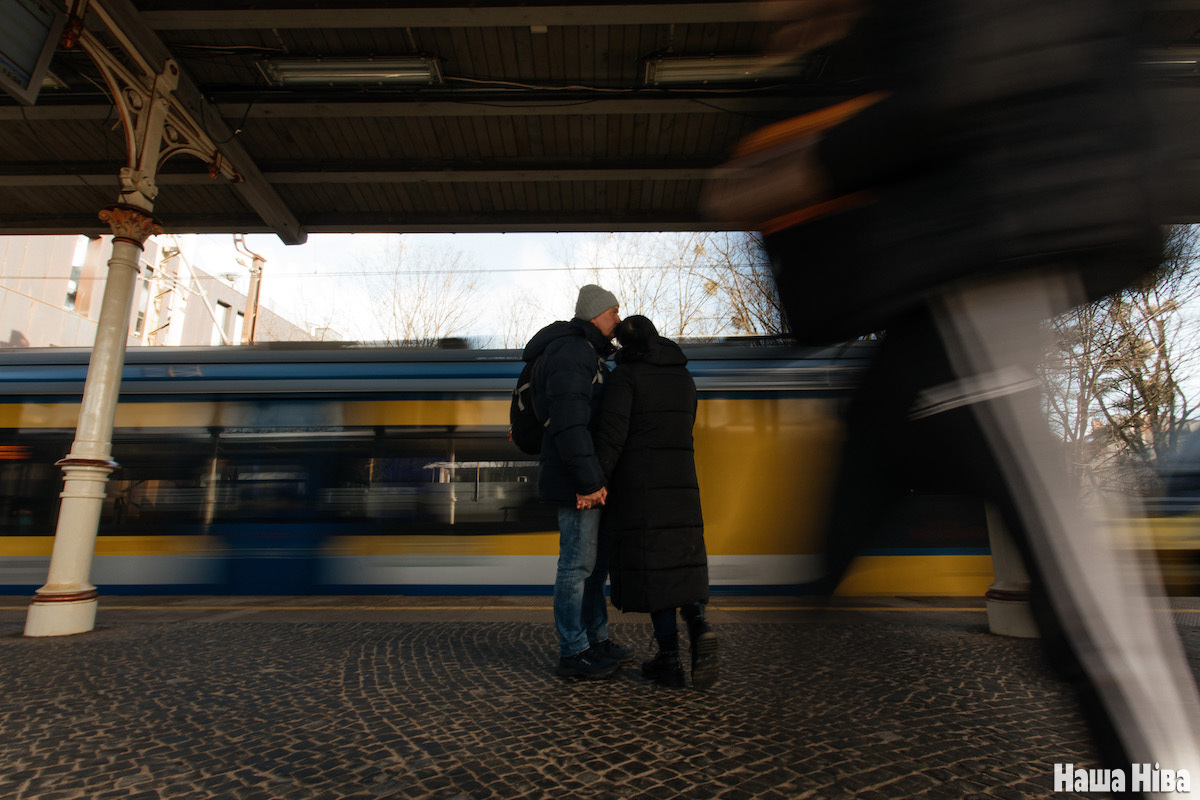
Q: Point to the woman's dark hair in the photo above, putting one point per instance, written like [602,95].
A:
[634,334]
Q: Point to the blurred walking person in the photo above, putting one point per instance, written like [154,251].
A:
[994,173]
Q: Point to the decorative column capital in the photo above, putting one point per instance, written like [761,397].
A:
[131,223]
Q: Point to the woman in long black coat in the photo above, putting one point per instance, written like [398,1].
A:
[644,443]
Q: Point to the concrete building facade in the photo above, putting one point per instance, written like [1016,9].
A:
[51,287]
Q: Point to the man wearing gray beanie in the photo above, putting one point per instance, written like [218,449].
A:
[594,301]
[568,385]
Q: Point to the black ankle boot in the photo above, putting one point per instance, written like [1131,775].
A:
[665,669]
[705,665]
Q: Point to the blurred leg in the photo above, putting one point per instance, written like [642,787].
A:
[884,456]
[1095,585]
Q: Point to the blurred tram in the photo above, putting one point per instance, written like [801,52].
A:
[354,470]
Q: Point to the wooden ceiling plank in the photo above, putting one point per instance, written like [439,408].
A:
[504,40]
[438,16]
[459,58]
[480,60]
[586,73]
[521,45]
[542,44]
[602,60]
[560,135]
[536,104]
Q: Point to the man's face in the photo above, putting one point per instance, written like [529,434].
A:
[608,322]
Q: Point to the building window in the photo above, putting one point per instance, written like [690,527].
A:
[77,262]
[73,287]
[222,322]
[144,302]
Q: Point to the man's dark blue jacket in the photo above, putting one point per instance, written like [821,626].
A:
[568,385]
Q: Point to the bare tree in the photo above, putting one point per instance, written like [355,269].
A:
[314,313]
[739,271]
[422,297]
[523,316]
[1074,374]
[650,275]
[1116,385]
[691,284]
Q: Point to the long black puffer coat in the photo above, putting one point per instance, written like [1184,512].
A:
[644,443]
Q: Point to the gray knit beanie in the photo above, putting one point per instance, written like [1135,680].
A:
[594,301]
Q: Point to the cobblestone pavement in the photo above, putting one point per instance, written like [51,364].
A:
[221,701]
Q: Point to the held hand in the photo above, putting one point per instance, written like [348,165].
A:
[586,501]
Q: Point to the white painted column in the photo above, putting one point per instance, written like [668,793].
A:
[67,603]
[1007,599]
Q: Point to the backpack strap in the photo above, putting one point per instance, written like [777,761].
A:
[599,376]
[533,371]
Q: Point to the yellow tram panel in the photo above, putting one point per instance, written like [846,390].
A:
[765,473]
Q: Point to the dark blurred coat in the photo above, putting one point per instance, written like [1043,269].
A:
[568,383]
[644,443]
[1013,137]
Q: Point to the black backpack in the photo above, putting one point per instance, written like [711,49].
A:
[525,430]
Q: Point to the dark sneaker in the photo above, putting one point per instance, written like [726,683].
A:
[610,649]
[705,664]
[591,663]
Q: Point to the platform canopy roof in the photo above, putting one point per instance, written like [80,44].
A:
[479,116]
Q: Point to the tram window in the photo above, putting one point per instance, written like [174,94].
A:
[159,483]
[365,482]
[30,483]
[461,484]
[28,494]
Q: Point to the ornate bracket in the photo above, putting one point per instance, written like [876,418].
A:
[131,223]
[156,125]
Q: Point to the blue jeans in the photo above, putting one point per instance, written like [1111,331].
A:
[580,610]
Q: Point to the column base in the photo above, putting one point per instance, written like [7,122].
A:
[61,617]
[1009,614]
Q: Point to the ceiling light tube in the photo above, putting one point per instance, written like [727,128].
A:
[352,71]
[717,69]
[1171,59]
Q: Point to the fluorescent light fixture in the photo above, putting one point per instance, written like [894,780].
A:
[351,71]
[718,69]
[1171,59]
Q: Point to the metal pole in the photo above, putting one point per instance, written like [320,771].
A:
[252,296]
[252,301]
[67,603]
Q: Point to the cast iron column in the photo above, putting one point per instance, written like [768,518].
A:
[67,603]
